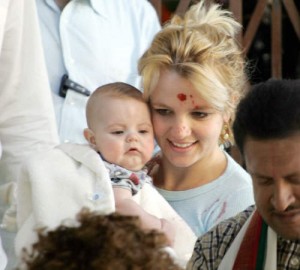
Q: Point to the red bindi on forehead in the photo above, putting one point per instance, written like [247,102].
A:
[181,96]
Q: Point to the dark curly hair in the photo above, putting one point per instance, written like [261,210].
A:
[110,242]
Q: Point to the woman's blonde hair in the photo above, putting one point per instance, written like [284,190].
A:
[202,48]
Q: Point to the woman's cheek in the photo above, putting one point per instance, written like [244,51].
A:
[158,125]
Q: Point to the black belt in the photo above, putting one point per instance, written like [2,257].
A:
[67,84]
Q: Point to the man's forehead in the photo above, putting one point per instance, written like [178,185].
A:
[266,155]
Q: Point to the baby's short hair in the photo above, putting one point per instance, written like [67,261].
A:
[117,89]
[114,90]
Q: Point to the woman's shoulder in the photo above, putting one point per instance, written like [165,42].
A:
[230,227]
[235,170]
[235,223]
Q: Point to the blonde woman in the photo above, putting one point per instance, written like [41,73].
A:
[193,77]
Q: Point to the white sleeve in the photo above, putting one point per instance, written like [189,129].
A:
[3,258]
[27,120]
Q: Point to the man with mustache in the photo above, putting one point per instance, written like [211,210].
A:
[265,236]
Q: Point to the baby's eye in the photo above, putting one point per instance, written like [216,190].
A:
[117,132]
[162,111]
[143,131]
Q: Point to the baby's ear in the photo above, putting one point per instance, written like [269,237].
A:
[89,136]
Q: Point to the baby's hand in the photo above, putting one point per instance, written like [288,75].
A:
[169,230]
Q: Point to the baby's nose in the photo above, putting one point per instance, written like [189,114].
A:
[132,137]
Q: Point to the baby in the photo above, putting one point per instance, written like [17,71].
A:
[120,130]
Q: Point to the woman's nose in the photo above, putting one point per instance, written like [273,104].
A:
[181,129]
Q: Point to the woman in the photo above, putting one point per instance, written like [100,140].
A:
[193,77]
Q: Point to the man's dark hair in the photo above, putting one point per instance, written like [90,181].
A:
[270,110]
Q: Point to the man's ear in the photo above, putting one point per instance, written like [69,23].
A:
[89,136]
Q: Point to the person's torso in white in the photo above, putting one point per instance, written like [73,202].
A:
[95,42]
[207,205]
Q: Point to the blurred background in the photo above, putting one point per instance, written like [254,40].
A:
[280,17]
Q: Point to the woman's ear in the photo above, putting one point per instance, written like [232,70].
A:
[89,136]
[226,117]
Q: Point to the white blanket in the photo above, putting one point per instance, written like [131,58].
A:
[56,185]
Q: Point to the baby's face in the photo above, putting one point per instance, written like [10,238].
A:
[124,133]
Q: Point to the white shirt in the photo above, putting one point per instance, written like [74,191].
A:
[27,120]
[205,206]
[3,258]
[95,42]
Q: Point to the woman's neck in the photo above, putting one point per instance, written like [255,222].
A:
[203,172]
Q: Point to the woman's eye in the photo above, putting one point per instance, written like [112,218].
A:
[199,114]
[162,111]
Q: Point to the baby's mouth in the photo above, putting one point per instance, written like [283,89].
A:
[133,149]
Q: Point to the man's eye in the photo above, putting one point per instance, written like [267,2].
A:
[117,132]
[199,114]
[294,180]
[162,111]
[264,181]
